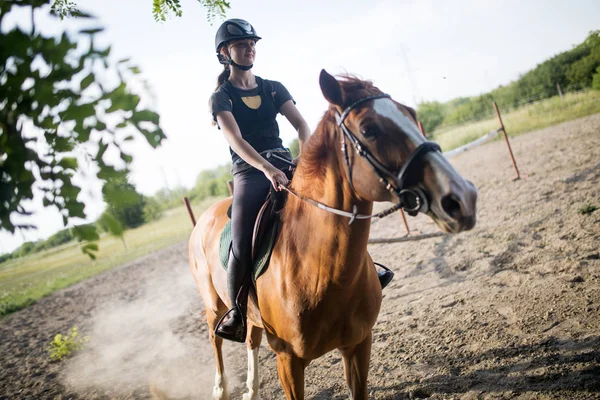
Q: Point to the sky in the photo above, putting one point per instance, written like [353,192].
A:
[419,50]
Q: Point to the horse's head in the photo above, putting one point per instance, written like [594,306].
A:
[389,160]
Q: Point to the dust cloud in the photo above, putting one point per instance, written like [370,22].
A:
[135,346]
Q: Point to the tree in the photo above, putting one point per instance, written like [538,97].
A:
[212,182]
[152,210]
[431,115]
[55,107]
[161,9]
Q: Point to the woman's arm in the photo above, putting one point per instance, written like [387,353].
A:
[233,136]
[289,110]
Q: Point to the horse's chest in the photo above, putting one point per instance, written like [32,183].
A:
[316,332]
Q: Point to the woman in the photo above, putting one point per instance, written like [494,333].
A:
[244,106]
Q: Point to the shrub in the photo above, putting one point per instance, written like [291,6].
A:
[66,345]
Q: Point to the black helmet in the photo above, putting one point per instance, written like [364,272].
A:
[234,29]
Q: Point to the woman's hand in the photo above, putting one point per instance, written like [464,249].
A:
[276,177]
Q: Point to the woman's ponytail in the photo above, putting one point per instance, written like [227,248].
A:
[223,76]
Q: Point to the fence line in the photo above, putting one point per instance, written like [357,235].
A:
[474,143]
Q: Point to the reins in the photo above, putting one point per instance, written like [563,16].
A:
[354,215]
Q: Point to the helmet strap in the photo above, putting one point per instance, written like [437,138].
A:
[238,66]
[242,67]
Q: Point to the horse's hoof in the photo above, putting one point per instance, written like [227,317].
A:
[250,396]
[219,394]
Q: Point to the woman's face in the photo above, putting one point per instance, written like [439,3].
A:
[243,51]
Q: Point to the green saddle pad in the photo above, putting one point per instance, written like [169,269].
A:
[263,255]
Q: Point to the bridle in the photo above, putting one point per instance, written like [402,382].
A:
[410,198]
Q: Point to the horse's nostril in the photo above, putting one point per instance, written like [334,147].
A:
[451,205]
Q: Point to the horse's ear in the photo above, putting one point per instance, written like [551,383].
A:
[331,89]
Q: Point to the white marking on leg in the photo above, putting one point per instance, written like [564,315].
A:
[252,379]
[220,389]
[388,109]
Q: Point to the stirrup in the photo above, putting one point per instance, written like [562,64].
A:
[386,277]
[233,338]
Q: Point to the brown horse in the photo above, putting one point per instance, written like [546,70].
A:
[321,290]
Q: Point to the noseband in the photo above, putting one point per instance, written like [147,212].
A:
[411,198]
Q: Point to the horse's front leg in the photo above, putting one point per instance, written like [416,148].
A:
[291,374]
[253,344]
[356,368]
[220,391]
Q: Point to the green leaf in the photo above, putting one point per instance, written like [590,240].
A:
[81,14]
[87,81]
[111,224]
[79,112]
[153,137]
[68,163]
[145,115]
[90,246]
[92,31]
[69,191]
[89,251]
[126,157]
[76,209]
[87,232]
[101,150]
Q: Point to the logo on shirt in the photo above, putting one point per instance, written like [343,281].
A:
[252,101]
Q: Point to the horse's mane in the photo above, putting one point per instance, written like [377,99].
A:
[320,145]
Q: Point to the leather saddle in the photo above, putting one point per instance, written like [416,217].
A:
[266,226]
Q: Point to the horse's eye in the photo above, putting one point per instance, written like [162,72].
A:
[369,132]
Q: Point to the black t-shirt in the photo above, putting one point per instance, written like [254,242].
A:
[254,111]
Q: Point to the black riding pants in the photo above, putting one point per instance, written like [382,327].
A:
[250,189]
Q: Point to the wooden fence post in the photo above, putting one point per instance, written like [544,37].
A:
[512,157]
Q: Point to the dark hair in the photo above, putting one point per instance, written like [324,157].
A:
[223,76]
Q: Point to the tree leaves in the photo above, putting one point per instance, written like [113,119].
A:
[45,117]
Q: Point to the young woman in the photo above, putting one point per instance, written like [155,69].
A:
[244,106]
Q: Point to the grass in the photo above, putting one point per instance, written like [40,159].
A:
[525,119]
[26,280]
[587,208]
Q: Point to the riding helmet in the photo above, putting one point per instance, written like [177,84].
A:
[234,29]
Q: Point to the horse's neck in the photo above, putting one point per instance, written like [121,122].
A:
[325,238]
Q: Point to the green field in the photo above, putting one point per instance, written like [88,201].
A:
[27,279]
[525,119]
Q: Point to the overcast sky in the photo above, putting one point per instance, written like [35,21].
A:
[419,50]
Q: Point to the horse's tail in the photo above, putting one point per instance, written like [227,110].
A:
[186,201]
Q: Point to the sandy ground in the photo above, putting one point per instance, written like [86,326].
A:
[508,310]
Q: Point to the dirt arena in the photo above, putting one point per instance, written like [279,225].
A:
[509,310]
